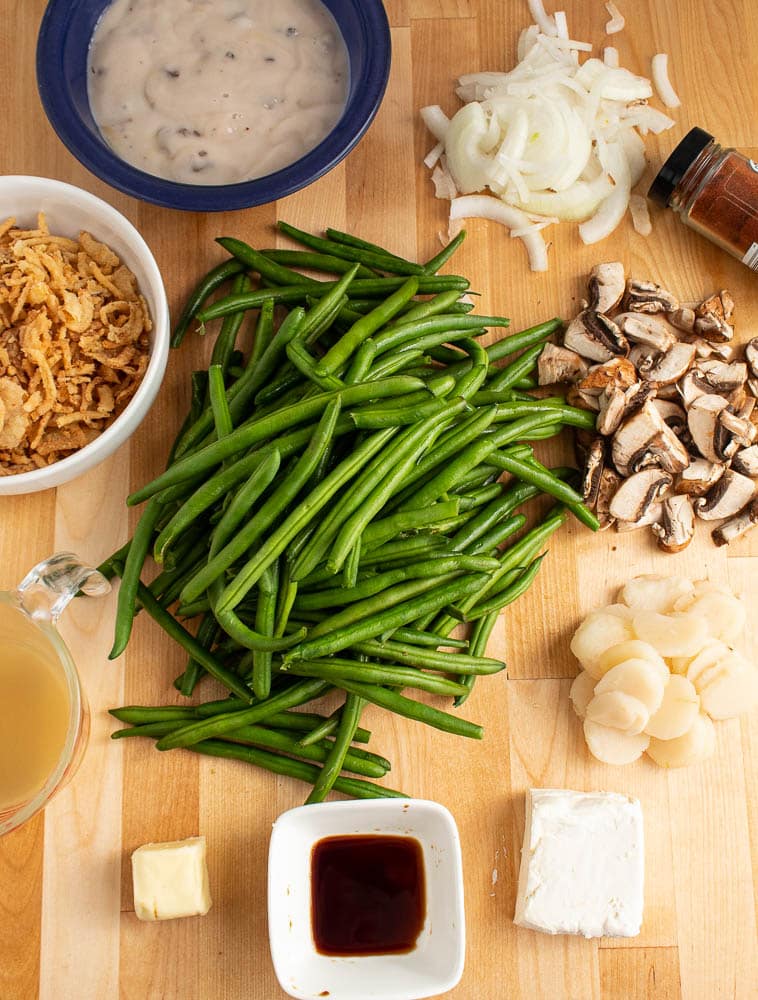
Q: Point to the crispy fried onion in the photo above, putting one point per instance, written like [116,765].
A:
[74,343]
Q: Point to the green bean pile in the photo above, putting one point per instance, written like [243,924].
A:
[332,507]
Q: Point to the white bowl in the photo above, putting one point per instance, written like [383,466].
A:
[436,963]
[68,210]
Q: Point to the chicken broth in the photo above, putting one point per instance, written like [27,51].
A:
[35,708]
[216,91]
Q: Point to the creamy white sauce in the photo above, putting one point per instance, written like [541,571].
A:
[216,91]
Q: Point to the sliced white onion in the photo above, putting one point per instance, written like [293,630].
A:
[545,22]
[612,209]
[444,185]
[432,157]
[640,215]
[483,206]
[535,227]
[660,68]
[616,22]
[435,120]
[550,138]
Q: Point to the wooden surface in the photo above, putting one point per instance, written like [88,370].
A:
[67,929]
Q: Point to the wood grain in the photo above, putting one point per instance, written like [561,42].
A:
[67,927]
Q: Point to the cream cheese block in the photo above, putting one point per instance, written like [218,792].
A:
[582,864]
[171,880]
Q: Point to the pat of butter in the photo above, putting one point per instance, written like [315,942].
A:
[171,880]
[582,864]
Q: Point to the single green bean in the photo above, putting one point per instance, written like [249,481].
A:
[369,257]
[204,288]
[507,377]
[316,262]
[338,355]
[525,338]
[227,337]
[349,719]
[337,670]
[220,725]
[435,263]
[263,265]
[265,616]
[130,577]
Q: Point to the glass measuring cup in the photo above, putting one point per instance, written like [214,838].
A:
[44,717]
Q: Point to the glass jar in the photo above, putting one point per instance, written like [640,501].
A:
[715,192]
[44,718]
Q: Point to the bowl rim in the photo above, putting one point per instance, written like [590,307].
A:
[94,154]
[365,814]
[137,408]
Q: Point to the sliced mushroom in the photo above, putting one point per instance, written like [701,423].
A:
[606,286]
[721,376]
[582,400]
[618,372]
[631,440]
[672,413]
[699,476]
[736,526]
[720,304]
[683,318]
[665,449]
[730,494]
[647,297]
[751,356]
[691,387]
[713,328]
[640,328]
[672,365]
[752,384]
[643,357]
[593,471]
[677,527]
[746,461]
[594,336]
[653,515]
[638,493]
[559,364]
[743,431]
[612,409]
[705,427]
[637,395]
[609,484]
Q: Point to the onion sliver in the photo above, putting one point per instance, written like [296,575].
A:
[611,56]
[616,22]
[431,158]
[545,22]
[660,68]
[612,209]
[640,215]
[483,206]
[435,120]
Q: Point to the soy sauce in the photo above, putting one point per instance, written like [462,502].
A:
[368,895]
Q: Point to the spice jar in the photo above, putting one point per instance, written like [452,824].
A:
[715,192]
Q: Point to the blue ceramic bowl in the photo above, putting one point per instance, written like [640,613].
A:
[62,47]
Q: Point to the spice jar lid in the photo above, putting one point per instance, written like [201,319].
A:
[677,165]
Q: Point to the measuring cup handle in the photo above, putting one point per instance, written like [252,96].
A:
[47,589]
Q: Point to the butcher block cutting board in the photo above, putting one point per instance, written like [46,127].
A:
[67,926]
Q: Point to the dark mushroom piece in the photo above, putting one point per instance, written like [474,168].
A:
[736,526]
[606,286]
[559,364]
[730,494]
[610,481]
[647,297]
[592,335]
[641,328]
[593,471]
[638,493]
[699,476]
[677,526]
[746,461]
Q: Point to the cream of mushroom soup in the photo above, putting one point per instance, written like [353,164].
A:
[216,91]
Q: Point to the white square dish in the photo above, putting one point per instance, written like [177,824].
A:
[434,966]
